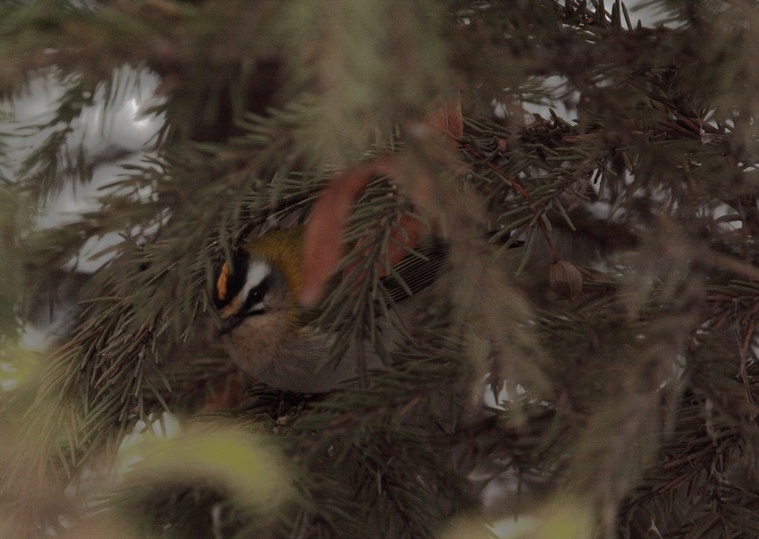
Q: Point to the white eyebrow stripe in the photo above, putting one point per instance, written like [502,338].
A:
[257,272]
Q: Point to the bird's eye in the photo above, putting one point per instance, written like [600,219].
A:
[254,303]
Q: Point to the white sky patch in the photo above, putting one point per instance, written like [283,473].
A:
[503,396]
[123,123]
[102,474]
[639,10]
[721,212]
[511,528]
[8,379]
[562,105]
[135,445]
[648,14]
[114,130]
[115,124]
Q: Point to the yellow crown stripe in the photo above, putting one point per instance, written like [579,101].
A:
[221,284]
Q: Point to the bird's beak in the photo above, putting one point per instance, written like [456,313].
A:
[229,324]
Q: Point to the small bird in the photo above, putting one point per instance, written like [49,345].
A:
[268,333]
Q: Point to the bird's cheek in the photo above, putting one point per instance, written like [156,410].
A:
[252,345]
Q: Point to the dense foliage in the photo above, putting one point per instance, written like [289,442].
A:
[599,380]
